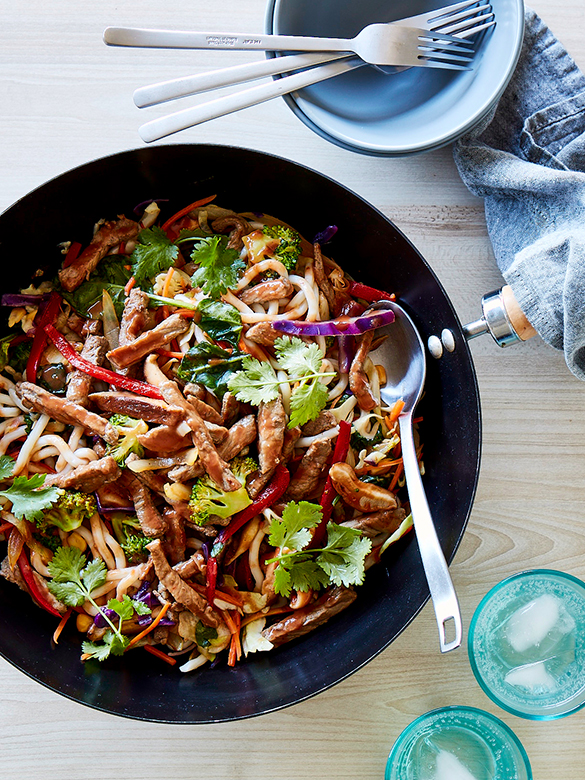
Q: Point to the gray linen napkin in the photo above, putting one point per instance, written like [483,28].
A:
[528,162]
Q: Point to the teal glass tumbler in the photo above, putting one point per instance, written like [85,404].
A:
[458,743]
[526,644]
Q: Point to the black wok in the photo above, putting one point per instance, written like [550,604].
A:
[373,250]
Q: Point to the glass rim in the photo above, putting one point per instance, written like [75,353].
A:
[465,709]
[526,573]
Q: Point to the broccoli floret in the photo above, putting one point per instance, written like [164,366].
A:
[52,541]
[127,532]
[242,467]
[359,442]
[289,247]
[68,512]
[209,500]
[128,443]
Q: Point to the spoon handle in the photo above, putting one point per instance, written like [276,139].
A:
[441,587]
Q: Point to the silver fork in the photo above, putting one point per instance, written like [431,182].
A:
[376,44]
[462,19]
[411,47]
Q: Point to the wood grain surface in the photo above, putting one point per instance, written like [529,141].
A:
[65,98]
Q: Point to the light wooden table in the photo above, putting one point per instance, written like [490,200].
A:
[65,99]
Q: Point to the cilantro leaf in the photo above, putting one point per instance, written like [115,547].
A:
[219,266]
[110,275]
[294,529]
[153,254]
[141,608]
[256,383]
[29,497]
[73,580]
[296,357]
[124,609]
[343,557]
[6,466]
[204,635]
[94,574]
[113,644]
[340,562]
[306,402]
[221,321]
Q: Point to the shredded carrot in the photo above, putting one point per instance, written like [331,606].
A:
[186,210]
[168,354]
[159,654]
[230,623]
[395,412]
[188,313]
[417,420]
[166,312]
[396,476]
[221,594]
[152,626]
[129,285]
[234,623]
[61,626]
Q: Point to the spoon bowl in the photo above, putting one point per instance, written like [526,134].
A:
[402,354]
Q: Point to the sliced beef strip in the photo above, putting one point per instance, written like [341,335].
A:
[128,354]
[263,333]
[239,436]
[179,589]
[235,225]
[151,521]
[335,298]
[358,379]
[175,539]
[212,462]
[291,436]
[66,411]
[154,480]
[137,406]
[271,427]
[205,411]
[309,471]
[79,384]
[108,236]
[272,290]
[324,422]
[164,439]
[135,317]
[306,619]
[192,566]
[374,523]
[230,408]
[87,478]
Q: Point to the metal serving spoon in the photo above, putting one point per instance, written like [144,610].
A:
[403,356]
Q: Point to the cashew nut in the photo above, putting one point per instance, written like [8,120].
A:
[364,496]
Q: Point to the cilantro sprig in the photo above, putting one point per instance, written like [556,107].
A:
[154,253]
[258,383]
[28,496]
[219,266]
[339,562]
[74,580]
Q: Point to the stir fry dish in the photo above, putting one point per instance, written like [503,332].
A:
[194,455]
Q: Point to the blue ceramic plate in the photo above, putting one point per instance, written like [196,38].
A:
[412,111]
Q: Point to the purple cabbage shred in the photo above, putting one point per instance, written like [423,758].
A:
[325,235]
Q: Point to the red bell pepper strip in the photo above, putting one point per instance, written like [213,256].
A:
[371,294]
[97,372]
[329,492]
[270,495]
[72,253]
[29,578]
[48,316]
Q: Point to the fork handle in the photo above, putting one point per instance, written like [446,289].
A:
[187,39]
[443,594]
[214,79]
[181,120]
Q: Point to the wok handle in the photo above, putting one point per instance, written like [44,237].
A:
[444,598]
[502,318]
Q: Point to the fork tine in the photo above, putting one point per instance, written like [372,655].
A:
[474,30]
[443,56]
[464,7]
[436,38]
[469,13]
[469,24]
